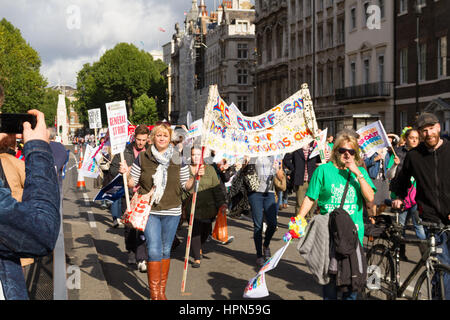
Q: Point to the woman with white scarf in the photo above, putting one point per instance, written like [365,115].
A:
[159,171]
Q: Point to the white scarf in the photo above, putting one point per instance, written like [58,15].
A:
[160,176]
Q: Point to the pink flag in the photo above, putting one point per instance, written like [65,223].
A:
[161,29]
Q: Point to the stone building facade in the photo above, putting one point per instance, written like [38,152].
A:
[427,77]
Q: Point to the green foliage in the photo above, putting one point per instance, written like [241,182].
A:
[145,111]
[19,72]
[122,73]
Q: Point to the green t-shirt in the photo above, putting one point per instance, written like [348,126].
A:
[327,187]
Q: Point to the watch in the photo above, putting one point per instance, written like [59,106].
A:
[360,176]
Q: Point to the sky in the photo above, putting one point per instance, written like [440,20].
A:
[69,33]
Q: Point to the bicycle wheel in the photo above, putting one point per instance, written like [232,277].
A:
[438,275]
[380,274]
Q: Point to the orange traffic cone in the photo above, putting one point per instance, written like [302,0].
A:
[81,184]
[76,149]
[80,163]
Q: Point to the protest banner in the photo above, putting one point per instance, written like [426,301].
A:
[118,135]
[372,137]
[195,129]
[319,145]
[117,125]
[256,287]
[284,128]
[90,167]
[112,191]
[95,119]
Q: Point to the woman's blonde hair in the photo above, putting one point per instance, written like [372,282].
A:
[342,139]
[158,127]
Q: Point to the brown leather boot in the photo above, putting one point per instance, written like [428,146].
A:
[154,279]
[165,266]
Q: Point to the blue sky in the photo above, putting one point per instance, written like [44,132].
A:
[70,33]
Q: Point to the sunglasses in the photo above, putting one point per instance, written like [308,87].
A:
[165,123]
[352,152]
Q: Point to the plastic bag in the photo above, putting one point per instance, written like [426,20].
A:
[220,232]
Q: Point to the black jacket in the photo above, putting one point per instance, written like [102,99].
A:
[295,162]
[347,259]
[432,173]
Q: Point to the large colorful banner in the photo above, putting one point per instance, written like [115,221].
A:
[256,287]
[284,128]
[372,138]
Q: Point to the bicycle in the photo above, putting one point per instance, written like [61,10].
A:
[384,264]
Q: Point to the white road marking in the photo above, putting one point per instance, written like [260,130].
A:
[92,222]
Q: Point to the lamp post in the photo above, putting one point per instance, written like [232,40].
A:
[418,14]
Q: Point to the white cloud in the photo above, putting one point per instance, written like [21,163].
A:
[69,33]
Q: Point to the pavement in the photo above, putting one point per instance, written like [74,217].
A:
[95,252]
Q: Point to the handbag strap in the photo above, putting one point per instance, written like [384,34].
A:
[345,190]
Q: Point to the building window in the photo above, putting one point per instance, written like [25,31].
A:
[352,74]
[320,5]
[300,44]
[293,45]
[330,35]
[352,18]
[365,13]
[442,57]
[331,80]
[380,68]
[341,76]
[381,5]
[403,119]
[242,76]
[341,31]
[422,62]
[403,66]
[403,6]
[242,27]
[242,51]
[366,71]
[242,103]
[308,42]
[320,82]
[320,36]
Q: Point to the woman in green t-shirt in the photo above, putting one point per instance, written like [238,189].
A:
[327,187]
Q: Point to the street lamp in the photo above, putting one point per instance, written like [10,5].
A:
[418,14]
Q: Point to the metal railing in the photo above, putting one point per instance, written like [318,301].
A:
[380,90]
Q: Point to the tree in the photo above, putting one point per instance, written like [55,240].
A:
[122,73]
[19,72]
[145,111]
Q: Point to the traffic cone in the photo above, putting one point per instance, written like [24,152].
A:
[80,163]
[76,149]
[81,184]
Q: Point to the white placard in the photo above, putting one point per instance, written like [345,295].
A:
[95,118]
[117,125]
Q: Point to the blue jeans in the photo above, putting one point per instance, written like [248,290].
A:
[330,291]
[159,233]
[281,200]
[116,209]
[420,233]
[261,203]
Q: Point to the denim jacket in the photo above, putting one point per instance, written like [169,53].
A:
[28,228]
